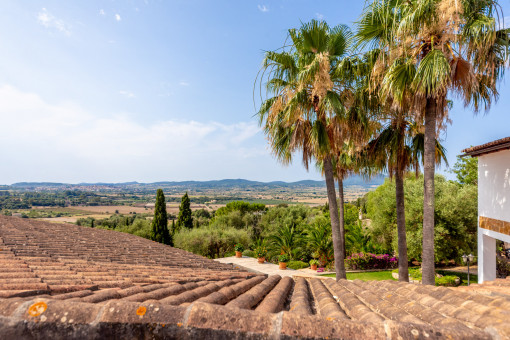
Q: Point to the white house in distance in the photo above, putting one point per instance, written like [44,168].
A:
[493,202]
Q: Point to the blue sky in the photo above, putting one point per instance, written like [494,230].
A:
[158,90]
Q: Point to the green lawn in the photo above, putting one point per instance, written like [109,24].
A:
[367,276]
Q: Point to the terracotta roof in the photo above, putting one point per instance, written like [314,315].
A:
[64,281]
[497,145]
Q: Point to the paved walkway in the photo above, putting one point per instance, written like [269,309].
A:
[252,264]
[462,269]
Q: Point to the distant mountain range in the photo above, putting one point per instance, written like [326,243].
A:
[223,183]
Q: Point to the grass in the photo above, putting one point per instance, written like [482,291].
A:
[473,278]
[367,276]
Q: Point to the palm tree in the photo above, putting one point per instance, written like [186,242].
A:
[319,240]
[434,48]
[310,88]
[397,148]
[286,239]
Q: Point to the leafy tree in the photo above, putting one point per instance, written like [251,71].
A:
[160,231]
[185,219]
[242,207]
[429,50]
[211,242]
[455,214]
[466,169]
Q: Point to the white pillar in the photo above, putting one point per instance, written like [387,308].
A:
[486,257]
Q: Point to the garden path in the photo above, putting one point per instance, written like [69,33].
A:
[252,264]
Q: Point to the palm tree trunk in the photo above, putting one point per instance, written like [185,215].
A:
[341,208]
[428,272]
[338,242]
[403,272]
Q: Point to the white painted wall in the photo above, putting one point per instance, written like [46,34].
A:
[494,185]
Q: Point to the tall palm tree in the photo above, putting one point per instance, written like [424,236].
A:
[309,91]
[397,148]
[435,48]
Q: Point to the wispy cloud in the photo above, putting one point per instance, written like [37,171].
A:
[127,94]
[319,16]
[117,17]
[46,19]
[263,8]
[102,12]
[69,143]
[184,83]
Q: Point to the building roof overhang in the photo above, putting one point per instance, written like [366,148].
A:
[494,146]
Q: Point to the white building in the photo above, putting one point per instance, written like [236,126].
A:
[493,202]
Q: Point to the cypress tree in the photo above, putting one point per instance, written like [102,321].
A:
[185,219]
[159,232]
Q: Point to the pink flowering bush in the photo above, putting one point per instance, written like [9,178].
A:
[361,261]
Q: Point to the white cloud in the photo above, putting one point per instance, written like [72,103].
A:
[46,19]
[117,17]
[263,8]
[102,12]
[319,16]
[64,142]
[127,94]
[184,83]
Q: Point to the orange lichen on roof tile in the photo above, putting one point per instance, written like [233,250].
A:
[141,311]
[37,308]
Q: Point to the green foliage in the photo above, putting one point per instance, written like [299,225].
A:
[201,217]
[261,251]
[297,265]
[249,253]
[185,219]
[241,207]
[209,241]
[283,258]
[313,262]
[287,240]
[466,170]
[160,232]
[447,281]
[455,217]
[239,247]
[502,267]
[362,261]
[367,276]
[319,239]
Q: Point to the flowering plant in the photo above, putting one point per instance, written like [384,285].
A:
[261,251]
[370,261]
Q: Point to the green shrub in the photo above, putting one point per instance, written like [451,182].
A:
[249,253]
[447,281]
[239,247]
[209,241]
[314,262]
[297,265]
[283,258]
